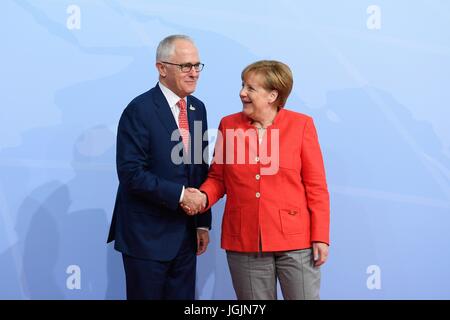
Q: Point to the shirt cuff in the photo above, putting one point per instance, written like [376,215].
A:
[182,194]
[202,228]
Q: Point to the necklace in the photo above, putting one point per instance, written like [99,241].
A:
[261,127]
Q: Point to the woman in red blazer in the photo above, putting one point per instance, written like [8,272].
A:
[269,164]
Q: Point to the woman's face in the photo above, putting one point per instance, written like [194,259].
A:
[256,100]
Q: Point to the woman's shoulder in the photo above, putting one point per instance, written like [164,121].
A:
[296,116]
[232,118]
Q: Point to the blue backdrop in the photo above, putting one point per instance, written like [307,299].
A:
[374,75]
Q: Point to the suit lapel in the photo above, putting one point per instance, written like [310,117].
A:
[165,114]
[194,114]
[191,112]
[163,111]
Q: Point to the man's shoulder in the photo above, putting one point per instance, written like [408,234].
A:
[142,102]
[144,97]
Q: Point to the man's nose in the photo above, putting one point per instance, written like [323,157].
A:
[193,72]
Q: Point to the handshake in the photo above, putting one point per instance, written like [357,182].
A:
[194,201]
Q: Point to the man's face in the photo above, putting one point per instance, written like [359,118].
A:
[181,83]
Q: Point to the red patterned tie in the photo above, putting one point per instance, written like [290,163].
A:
[183,123]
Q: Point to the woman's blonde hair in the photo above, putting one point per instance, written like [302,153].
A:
[275,76]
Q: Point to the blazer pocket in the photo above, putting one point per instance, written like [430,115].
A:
[291,221]
[232,222]
[289,161]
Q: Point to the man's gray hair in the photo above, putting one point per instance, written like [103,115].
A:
[166,47]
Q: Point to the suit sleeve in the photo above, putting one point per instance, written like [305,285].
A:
[214,186]
[132,152]
[313,176]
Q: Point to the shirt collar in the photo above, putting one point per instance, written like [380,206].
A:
[171,97]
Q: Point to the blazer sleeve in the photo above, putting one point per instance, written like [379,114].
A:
[214,186]
[132,152]
[313,177]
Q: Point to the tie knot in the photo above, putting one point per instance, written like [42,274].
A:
[182,104]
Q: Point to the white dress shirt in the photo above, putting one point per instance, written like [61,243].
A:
[172,100]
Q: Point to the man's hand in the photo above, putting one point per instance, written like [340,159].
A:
[202,241]
[194,201]
[320,252]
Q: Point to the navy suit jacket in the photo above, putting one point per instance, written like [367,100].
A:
[147,221]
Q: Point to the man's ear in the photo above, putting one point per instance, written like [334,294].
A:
[161,69]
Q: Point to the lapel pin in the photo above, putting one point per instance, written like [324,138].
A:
[191,108]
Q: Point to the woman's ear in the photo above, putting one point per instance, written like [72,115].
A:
[273,96]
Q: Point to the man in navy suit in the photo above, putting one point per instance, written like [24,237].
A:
[158,168]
